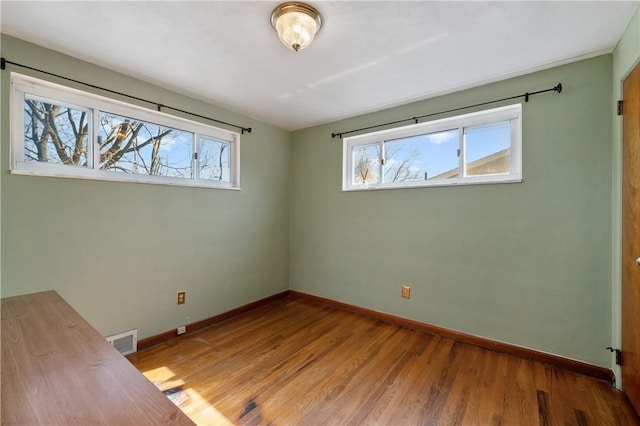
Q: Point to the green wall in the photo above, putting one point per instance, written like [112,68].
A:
[118,252]
[527,263]
[625,56]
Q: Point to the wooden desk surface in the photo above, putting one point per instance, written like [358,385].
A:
[58,370]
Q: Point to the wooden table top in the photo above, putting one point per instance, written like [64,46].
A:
[57,369]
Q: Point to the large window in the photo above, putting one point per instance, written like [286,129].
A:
[482,147]
[63,132]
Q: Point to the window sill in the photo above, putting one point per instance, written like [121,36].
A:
[441,183]
[78,173]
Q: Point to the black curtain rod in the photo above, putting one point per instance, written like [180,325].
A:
[557,88]
[4,62]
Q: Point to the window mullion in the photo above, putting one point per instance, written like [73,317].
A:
[94,133]
[195,157]
[382,161]
[462,152]
[90,140]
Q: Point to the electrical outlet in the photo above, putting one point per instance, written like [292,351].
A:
[406,292]
[181,297]
[182,329]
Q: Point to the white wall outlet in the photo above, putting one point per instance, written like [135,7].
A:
[182,329]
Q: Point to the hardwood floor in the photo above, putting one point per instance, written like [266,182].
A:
[296,362]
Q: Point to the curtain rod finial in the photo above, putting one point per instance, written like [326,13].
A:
[558,88]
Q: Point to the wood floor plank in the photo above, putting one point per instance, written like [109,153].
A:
[294,362]
[303,379]
[406,370]
[354,356]
[415,375]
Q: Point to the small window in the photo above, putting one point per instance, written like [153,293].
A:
[366,164]
[481,147]
[63,132]
[488,150]
[214,160]
[134,146]
[56,133]
[421,157]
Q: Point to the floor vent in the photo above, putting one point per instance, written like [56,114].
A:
[126,342]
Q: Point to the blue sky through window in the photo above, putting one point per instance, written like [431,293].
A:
[487,140]
[431,155]
[426,156]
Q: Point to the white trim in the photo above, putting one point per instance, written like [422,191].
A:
[442,182]
[22,85]
[102,175]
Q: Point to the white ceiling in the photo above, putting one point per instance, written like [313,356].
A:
[369,55]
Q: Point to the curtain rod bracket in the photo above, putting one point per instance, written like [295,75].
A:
[3,63]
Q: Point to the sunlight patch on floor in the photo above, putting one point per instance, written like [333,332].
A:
[188,400]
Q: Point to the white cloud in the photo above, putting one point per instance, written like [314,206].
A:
[442,137]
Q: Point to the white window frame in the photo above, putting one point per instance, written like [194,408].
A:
[22,85]
[511,113]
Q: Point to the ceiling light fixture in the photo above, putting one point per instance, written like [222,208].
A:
[296,24]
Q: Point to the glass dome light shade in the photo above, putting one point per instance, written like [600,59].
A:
[296,24]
